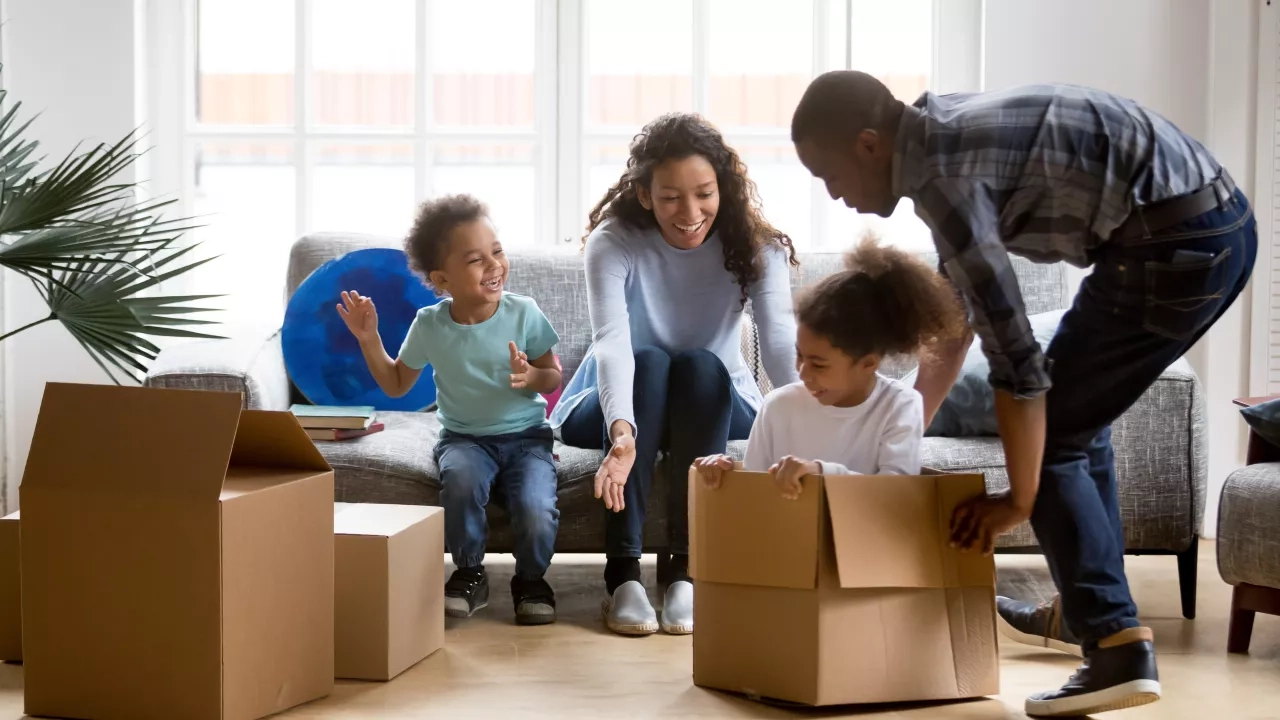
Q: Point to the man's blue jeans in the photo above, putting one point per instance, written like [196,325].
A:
[1146,303]
[522,468]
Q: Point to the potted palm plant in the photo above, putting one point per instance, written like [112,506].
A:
[94,252]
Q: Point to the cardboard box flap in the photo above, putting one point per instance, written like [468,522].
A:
[892,531]
[274,439]
[132,439]
[745,533]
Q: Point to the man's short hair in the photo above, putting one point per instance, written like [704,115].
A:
[839,104]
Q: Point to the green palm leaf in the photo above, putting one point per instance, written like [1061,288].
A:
[94,301]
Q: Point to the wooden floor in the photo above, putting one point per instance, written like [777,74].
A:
[492,669]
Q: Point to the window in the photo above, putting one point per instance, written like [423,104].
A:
[295,116]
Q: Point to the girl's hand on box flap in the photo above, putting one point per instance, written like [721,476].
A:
[788,471]
[712,469]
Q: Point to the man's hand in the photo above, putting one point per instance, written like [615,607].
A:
[519,367]
[712,469]
[611,478]
[360,315]
[787,473]
[978,521]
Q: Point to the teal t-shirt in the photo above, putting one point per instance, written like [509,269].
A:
[472,365]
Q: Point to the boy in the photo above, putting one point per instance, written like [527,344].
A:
[478,341]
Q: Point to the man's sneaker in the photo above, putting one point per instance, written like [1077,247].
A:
[1038,625]
[466,592]
[1120,673]
[534,601]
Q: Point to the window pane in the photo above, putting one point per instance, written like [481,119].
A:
[894,42]
[761,61]
[245,195]
[501,176]
[482,77]
[785,189]
[362,63]
[363,188]
[238,87]
[639,60]
[605,164]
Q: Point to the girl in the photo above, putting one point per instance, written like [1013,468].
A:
[843,417]
[675,250]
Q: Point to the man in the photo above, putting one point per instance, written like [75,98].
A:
[1051,173]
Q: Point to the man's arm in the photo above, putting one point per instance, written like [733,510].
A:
[940,365]
[964,220]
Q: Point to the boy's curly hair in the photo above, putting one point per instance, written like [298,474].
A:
[886,302]
[742,227]
[428,241]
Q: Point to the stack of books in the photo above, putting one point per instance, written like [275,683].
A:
[329,422]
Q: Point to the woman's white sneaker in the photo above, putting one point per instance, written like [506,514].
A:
[628,611]
[677,609]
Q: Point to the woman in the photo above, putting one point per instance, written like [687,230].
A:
[674,251]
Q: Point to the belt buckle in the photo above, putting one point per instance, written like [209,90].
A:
[1222,192]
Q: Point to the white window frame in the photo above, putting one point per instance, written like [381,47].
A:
[558,136]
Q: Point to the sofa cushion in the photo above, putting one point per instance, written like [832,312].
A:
[1249,526]
[398,464]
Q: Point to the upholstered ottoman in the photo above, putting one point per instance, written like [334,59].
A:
[1249,547]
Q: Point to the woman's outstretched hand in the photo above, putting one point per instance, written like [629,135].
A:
[611,478]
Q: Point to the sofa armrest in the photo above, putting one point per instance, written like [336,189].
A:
[250,362]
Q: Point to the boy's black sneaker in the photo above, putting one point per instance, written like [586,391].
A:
[466,592]
[1119,673]
[1036,625]
[534,601]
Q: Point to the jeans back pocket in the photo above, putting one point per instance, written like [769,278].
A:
[1184,298]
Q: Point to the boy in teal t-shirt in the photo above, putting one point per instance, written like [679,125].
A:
[478,341]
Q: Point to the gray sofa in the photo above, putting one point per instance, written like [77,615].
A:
[1160,455]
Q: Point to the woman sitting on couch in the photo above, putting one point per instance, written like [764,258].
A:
[676,248]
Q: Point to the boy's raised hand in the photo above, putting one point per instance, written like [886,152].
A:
[359,314]
[519,367]
[788,471]
[712,469]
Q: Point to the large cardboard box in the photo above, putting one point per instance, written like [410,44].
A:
[389,586]
[849,594]
[10,591]
[177,558]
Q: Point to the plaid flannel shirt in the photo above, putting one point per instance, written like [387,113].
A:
[1044,172]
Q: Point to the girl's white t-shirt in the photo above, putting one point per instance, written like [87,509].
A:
[882,436]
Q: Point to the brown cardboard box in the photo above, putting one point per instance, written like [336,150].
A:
[10,591]
[177,557]
[849,594]
[389,588]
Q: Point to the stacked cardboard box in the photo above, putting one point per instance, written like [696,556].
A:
[389,580]
[850,594]
[177,557]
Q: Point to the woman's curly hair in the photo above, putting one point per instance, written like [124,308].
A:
[887,302]
[742,229]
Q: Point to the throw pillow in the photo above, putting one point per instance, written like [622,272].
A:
[1264,419]
[970,408]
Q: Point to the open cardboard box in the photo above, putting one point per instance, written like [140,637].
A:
[177,557]
[850,594]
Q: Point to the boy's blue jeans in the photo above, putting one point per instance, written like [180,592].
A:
[1138,312]
[522,469]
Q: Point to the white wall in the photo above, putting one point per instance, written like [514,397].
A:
[1193,61]
[72,61]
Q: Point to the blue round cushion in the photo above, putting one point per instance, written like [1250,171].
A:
[321,355]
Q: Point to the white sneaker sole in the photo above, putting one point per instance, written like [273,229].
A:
[621,629]
[1120,697]
[677,629]
[457,607]
[1018,636]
